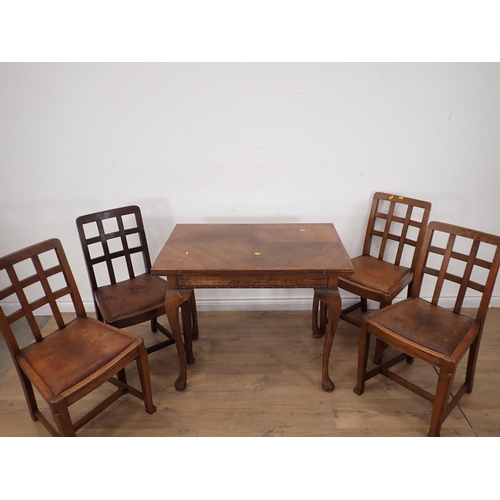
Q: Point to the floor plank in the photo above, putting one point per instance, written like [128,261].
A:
[259,374]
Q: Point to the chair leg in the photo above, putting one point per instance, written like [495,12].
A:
[364,304]
[122,376]
[194,331]
[187,327]
[445,382]
[471,365]
[145,380]
[62,418]
[154,328]
[29,394]
[364,345]
[380,347]
[98,312]
[315,311]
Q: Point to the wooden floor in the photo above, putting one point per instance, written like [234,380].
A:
[259,374]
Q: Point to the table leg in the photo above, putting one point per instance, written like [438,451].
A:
[330,297]
[173,300]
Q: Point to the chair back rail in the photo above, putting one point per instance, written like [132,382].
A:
[96,221]
[448,252]
[51,291]
[385,208]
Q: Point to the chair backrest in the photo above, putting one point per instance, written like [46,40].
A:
[38,275]
[396,226]
[456,262]
[114,237]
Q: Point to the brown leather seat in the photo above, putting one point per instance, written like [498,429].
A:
[74,353]
[425,329]
[125,293]
[79,356]
[122,302]
[370,273]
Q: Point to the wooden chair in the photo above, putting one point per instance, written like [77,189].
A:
[452,257]
[395,230]
[79,356]
[114,241]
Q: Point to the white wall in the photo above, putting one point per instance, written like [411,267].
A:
[243,142]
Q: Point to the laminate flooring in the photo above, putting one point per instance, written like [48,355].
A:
[259,374]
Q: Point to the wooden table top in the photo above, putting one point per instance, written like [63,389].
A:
[240,248]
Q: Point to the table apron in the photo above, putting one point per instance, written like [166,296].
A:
[264,280]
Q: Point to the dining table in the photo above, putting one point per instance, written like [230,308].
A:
[250,255]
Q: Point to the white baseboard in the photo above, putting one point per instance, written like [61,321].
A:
[303,304]
[246,304]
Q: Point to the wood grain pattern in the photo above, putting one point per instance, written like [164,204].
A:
[253,280]
[242,248]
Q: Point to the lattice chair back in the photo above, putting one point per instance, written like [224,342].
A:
[396,227]
[39,275]
[114,240]
[457,263]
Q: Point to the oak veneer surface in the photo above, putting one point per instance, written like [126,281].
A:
[256,374]
[252,247]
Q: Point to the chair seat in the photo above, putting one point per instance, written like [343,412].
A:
[426,324]
[114,301]
[68,356]
[377,276]
[451,255]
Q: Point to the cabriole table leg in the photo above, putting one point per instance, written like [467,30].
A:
[331,298]
[173,300]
